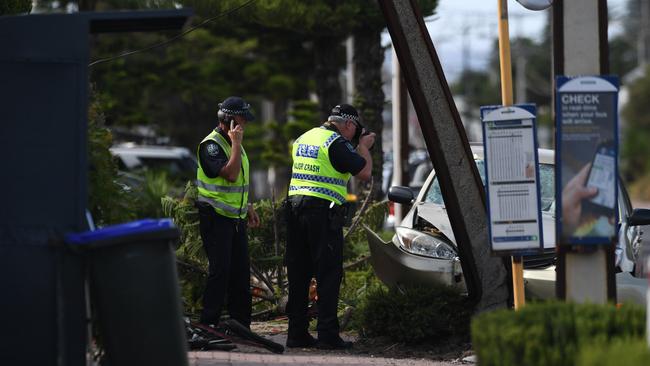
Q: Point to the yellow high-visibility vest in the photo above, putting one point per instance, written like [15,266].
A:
[313,173]
[229,199]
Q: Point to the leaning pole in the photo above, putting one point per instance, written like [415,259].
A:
[486,276]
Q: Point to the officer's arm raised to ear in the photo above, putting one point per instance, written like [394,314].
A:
[346,159]
[365,143]
[231,170]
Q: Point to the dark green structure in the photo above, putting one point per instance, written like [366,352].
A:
[43,111]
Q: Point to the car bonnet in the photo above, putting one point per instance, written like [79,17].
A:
[437,216]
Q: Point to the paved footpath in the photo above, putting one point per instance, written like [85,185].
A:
[258,359]
[252,356]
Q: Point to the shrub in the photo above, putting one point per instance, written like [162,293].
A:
[108,201]
[148,196]
[415,315]
[261,240]
[356,242]
[550,333]
[8,7]
[355,287]
[619,352]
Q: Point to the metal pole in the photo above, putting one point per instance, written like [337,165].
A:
[506,99]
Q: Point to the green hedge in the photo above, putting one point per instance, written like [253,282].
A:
[551,333]
[434,314]
[619,352]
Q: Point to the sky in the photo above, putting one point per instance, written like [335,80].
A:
[463,31]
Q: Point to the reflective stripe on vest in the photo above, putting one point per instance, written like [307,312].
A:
[222,206]
[312,172]
[229,199]
[224,189]
[317,178]
[306,190]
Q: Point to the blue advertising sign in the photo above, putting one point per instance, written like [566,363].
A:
[512,179]
[586,159]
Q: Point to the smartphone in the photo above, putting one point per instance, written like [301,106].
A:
[602,176]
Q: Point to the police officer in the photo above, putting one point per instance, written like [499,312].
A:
[223,181]
[323,161]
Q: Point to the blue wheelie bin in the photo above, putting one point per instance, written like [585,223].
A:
[135,292]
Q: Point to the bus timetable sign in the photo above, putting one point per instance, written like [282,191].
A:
[512,176]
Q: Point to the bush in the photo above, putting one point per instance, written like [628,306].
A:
[8,7]
[148,196]
[550,333]
[261,240]
[415,315]
[355,287]
[619,352]
[108,201]
[356,242]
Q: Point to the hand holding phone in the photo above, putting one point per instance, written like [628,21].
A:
[236,132]
[367,139]
[602,176]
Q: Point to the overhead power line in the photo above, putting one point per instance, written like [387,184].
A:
[174,38]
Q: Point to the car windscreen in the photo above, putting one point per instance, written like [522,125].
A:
[547,185]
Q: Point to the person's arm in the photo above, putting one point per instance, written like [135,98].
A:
[231,170]
[346,159]
[365,143]
[253,218]
[366,172]
[212,158]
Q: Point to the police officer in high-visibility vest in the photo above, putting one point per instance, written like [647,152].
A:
[324,159]
[224,213]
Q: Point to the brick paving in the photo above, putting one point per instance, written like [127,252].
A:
[214,358]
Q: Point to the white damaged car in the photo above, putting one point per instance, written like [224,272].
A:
[423,249]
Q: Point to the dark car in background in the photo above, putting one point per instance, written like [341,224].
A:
[424,251]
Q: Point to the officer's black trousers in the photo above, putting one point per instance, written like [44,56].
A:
[314,249]
[226,245]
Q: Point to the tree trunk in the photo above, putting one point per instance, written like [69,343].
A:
[328,63]
[369,100]
[281,172]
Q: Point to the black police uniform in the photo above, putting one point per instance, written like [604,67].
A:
[315,248]
[226,245]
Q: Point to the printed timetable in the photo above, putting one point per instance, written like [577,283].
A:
[512,179]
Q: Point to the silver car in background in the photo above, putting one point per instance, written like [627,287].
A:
[424,251]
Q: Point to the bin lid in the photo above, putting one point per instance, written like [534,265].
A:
[113,232]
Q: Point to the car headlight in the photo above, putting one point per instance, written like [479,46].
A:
[417,242]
